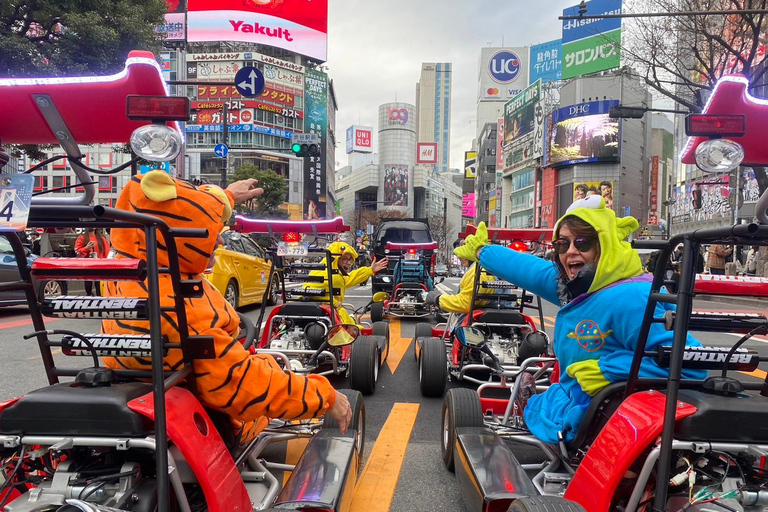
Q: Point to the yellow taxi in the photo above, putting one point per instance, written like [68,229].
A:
[241,272]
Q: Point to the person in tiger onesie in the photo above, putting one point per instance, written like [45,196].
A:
[249,388]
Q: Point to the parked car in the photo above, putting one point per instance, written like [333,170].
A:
[398,231]
[242,271]
[9,271]
[441,271]
[456,272]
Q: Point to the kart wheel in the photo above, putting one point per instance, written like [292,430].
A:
[433,367]
[382,329]
[357,424]
[230,294]
[461,408]
[544,504]
[274,288]
[423,330]
[364,365]
[377,312]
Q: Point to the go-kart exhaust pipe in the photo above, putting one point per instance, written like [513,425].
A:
[489,475]
[326,475]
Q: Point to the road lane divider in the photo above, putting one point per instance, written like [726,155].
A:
[398,345]
[758,374]
[536,321]
[376,487]
[25,322]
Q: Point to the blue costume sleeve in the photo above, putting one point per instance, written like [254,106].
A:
[529,272]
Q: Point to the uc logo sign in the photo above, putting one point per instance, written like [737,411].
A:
[399,114]
[504,66]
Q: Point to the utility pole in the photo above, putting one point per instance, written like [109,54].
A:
[225,124]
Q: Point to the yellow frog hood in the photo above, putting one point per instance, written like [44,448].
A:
[339,248]
[618,260]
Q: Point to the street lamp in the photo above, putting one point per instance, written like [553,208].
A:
[668,203]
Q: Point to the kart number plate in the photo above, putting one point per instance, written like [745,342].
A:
[411,257]
[292,249]
[15,198]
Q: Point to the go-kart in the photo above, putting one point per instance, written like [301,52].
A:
[411,281]
[645,444]
[102,440]
[512,336]
[297,328]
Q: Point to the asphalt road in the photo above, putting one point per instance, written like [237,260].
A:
[403,471]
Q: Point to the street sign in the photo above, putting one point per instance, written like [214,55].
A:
[305,138]
[360,232]
[626,211]
[249,82]
[221,150]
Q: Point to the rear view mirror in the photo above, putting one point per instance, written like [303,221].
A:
[342,335]
[379,296]
[470,336]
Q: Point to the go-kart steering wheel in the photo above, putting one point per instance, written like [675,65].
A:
[247,333]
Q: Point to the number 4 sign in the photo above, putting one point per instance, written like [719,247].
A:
[15,198]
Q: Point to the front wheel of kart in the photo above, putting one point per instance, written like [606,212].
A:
[377,312]
[461,408]
[544,504]
[364,365]
[433,367]
[382,329]
[423,330]
[357,425]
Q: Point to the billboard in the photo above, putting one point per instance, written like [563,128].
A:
[396,183]
[715,200]
[591,45]
[174,25]
[468,205]
[426,152]
[316,107]
[583,133]
[545,61]
[520,114]
[470,165]
[359,139]
[589,188]
[299,26]
[500,144]
[502,73]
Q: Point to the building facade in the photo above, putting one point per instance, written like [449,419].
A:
[397,155]
[433,105]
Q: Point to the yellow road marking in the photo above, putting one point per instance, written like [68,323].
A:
[376,486]
[760,374]
[546,324]
[53,352]
[293,453]
[398,345]
[550,318]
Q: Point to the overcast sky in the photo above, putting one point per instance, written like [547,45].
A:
[375,51]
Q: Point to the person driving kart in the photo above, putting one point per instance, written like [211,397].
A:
[249,388]
[597,280]
[460,302]
[344,256]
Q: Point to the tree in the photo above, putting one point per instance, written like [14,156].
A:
[363,217]
[444,233]
[269,204]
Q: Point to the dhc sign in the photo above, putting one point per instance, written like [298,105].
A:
[504,66]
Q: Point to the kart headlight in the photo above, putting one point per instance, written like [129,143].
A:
[719,155]
[156,143]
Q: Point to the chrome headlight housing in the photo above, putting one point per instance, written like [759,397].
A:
[156,142]
[719,155]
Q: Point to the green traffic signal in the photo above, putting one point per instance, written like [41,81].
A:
[305,150]
[296,148]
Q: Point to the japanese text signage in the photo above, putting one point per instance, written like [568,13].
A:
[316,121]
[591,45]
[205,92]
[545,61]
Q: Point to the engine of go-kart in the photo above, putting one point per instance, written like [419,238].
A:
[293,334]
[513,343]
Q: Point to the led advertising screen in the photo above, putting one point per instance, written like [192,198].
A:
[583,133]
[300,26]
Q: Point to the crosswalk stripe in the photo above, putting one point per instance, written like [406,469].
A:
[398,345]
[376,487]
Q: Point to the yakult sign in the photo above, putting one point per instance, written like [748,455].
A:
[359,139]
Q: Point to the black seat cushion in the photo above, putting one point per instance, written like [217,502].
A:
[500,316]
[738,419]
[71,409]
[301,309]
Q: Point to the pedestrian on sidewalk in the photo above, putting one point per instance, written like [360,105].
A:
[716,259]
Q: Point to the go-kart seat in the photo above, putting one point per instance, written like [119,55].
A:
[500,316]
[70,409]
[302,309]
[598,413]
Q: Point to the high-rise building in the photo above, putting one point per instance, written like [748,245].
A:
[433,104]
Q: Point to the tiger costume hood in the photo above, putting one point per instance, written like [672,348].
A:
[180,205]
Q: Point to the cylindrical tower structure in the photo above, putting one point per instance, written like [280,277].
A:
[397,156]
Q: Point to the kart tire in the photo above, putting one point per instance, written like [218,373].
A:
[377,312]
[274,290]
[364,365]
[461,408]
[544,504]
[433,367]
[382,329]
[423,330]
[357,404]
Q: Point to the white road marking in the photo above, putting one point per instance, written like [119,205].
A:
[753,338]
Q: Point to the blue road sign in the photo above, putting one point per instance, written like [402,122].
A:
[249,81]
[221,150]
[626,211]
[360,232]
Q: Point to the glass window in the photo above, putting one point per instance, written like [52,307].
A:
[251,249]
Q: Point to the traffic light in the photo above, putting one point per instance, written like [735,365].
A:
[622,112]
[305,150]
[696,198]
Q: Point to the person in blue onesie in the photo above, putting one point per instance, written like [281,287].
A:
[597,280]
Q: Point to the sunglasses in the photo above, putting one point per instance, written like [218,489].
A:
[562,245]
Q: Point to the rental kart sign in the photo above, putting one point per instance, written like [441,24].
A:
[591,45]
[299,26]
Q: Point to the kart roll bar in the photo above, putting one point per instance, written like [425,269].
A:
[512,234]
[430,246]
[317,227]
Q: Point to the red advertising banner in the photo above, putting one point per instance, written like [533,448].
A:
[202,106]
[654,185]
[205,92]
[548,206]
[500,145]
[300,26]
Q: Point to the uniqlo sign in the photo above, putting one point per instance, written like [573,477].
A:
[359,139]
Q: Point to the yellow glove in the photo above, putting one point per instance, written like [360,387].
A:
[468,251]
[588,375]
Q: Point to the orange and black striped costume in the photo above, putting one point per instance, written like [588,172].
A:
[249,388]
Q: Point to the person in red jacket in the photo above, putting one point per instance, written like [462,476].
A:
[91,244]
